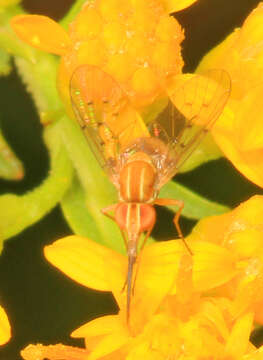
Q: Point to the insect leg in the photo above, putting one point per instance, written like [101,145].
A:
[180,204]
[148,233]
[106,210]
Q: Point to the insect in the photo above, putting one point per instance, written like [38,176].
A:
[140,162]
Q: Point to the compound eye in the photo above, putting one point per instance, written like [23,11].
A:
[147,216]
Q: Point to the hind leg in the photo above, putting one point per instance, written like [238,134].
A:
[180,205]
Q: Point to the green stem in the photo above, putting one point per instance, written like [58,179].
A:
[11,167]
[75,9]
[23,211]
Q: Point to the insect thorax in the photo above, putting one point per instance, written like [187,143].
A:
[137,181]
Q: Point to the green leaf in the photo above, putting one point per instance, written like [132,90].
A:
[11,167]
[76,213]
[75,208]
[5,66]
[23,211]
[195,206]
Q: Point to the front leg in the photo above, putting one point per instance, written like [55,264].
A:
[180,204]
[106,210]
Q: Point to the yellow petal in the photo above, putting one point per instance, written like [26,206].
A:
[254,355]
[212,59]
[247,162]
[53,352]
[5,329]
[250,212]
[240,54]
[41,32]
[241,140]
[100,326]
[238,341]
[214,314]
[158,266]
[88,263]
[248,135]
[143,351]
[108,345]
[177,5]
[246,242]
[250,41]
[213,265]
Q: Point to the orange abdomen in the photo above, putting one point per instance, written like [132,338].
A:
[137,180]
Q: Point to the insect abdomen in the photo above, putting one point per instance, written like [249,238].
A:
[137,180]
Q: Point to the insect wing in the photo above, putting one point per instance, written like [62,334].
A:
[96,100]
[193,109]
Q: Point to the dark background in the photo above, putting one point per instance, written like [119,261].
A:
[43,305]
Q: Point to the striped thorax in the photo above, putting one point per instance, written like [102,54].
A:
[137,179]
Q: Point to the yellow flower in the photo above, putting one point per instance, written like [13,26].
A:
[5,330]
[182,306]
[240,232]
[239,132]
[136,42]
[166,307]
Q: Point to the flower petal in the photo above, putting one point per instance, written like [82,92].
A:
[101,326]
[213,313]
[109,344]
[158,266]
[254,354]
[41,32]
[144,351]
[88,263]
[177,5]
[238,341]
[241,56]
[213,265]
[241,140]
[5,329]
[53,352]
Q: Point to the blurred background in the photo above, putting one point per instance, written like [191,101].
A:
[42,304]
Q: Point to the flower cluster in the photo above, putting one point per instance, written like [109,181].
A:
[136,42]
[239,131]
[184,307]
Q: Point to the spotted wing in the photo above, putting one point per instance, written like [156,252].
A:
[193,109]
[97,100]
